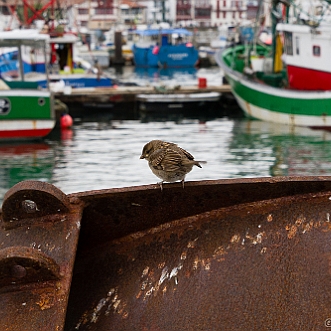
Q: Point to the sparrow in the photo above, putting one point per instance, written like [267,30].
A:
[168,161]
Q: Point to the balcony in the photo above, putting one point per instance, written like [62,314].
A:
[103,11]
[83,17]
[101,24]
[182,6]
[203,7]
[183,17]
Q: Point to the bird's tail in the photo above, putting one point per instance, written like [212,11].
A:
[198,163]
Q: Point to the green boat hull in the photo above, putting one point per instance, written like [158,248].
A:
[275,104]
[25,114]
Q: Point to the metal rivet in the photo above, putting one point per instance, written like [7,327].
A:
[18,271]
[29,206]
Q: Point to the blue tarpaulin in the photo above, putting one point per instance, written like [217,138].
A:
[154,32]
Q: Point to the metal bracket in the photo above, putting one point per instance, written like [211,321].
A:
[39,229]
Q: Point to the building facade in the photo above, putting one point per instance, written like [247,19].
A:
[105,14]
[187,13]
[228,12]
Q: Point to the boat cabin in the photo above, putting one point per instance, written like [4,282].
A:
[62,52]
[164,48]
[26,55]
[307,54]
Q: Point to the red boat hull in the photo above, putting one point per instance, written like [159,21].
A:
[308,79]
[22,134]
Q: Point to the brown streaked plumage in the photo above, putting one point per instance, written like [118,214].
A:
[168,161]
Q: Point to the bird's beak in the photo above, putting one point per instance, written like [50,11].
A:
[141,157]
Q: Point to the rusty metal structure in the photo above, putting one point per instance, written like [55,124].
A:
[242,254]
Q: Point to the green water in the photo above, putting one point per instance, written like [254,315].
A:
[97,155]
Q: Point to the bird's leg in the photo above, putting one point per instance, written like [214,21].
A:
[161,186]
[182,182]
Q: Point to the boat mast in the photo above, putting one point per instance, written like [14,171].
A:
[257,25]
[46,65]
[20,61]
[274,20]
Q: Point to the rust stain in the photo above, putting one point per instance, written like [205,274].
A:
[46,301]
[36,258]
[219,256]
[292,231]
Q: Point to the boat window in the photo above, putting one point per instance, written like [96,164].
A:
[297,45]
[288,43]
[316,50]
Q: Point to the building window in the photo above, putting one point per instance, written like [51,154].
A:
[288,43]
[202,12]
[5,10]
[82,11]
[183,12]
[316,50]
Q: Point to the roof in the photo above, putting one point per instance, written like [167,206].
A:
[64,39]
[29,37]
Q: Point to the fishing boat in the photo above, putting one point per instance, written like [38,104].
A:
[26,111]
[164,48]
[243,254]
[65,68]
[71,68]
[289,81]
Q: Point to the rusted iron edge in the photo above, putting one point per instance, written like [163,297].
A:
[88,195]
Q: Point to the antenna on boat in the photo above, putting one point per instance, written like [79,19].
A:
[46,66]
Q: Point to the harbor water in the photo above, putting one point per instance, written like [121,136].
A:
[103,152]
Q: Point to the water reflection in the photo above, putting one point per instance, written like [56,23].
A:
[28,161]
[105,154]
[293,151]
